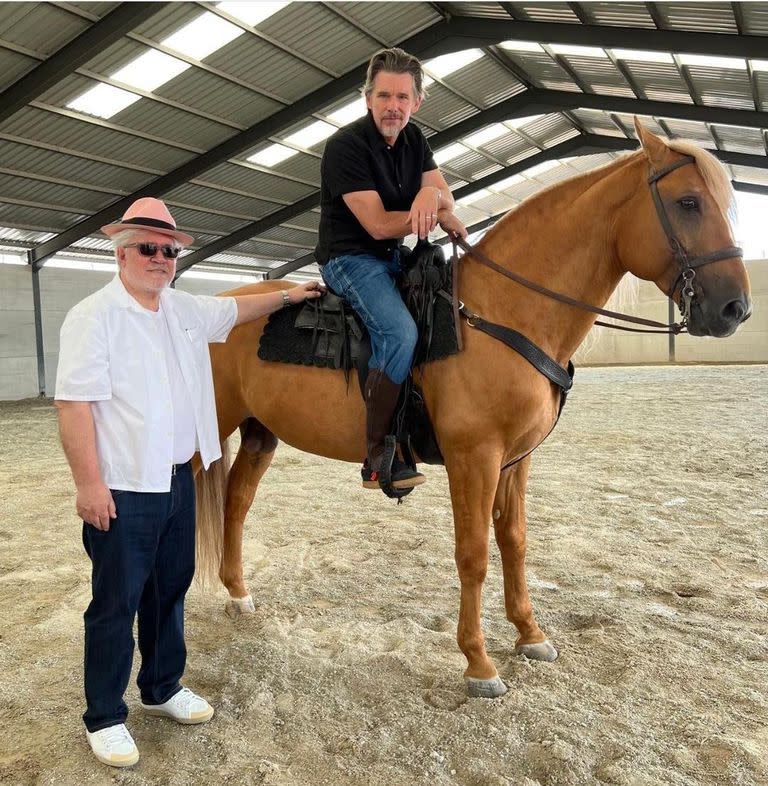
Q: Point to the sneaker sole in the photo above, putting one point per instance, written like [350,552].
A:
[398,484]
[128,761]
[204,718]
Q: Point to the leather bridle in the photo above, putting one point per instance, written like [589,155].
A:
[684,279]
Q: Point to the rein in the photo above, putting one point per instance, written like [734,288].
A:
[686,276]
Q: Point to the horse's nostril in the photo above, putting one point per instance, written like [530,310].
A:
[734,311]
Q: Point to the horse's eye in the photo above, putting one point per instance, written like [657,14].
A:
[689,204]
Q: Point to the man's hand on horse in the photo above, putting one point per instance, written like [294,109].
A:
[423,213]
[308,291]
[95,505]
[450,223]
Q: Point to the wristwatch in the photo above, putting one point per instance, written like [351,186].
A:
[286,299]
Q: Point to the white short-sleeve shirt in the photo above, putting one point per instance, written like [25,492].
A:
[111,355]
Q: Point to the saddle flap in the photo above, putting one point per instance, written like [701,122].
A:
[323,313]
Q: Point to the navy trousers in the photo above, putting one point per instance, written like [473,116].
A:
[143,564]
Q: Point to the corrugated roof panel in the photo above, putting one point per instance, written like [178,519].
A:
[49,163]
[688,129]
[26,237]
[247,207]
[290,235]
[309,221]
[68,132]
[263,65]
[546,128]
[210,93]
[542,68]
[41,27]
[595,121]
[115,56]
[321,35]
[467,165]
[393,22]
[508,146]
[761,82]
[750,174]
[563,135]
[257,183]
[444,108]
[97,9]
[656,76]
[545,12]
[755,17]
[200,220]
[486,82]
[618,14]
[480,9]
[723,86]
[302,166]
[78,199]
[494,203]
[703,17]
[268,250]
[521,155]
[13,66]
[601,75]
[588,163]
[669,94]
[36,218]
[741,140]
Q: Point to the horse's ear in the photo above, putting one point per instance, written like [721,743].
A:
[655,148]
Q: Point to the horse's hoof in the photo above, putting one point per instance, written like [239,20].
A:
[485,689]
[543,650]
[238,606]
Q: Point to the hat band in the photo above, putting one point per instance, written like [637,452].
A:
[149,222]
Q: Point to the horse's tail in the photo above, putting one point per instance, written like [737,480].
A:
[211,493]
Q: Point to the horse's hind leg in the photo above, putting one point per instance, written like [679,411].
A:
[257,447]
[510,527]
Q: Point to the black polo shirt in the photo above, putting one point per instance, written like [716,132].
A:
[357,158]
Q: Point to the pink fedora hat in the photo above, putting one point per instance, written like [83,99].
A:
[149,213]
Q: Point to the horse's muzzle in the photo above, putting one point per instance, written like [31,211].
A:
[719,319]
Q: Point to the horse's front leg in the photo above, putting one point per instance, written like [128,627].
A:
[510,527]
[473,477]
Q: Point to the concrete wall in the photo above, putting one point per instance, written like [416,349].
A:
[61,288]
[749,344]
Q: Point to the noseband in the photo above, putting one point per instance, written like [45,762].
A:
[685,278]
[687,265]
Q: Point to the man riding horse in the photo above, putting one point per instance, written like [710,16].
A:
[380,183]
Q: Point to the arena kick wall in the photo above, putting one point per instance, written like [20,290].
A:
[61,288]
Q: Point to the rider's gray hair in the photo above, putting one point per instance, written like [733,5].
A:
[125,236]
[395,61]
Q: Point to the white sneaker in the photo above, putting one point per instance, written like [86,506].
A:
[184,707]
[114,746]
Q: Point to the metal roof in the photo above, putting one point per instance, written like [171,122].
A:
[564,79]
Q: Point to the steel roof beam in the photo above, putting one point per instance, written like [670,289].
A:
[71,56]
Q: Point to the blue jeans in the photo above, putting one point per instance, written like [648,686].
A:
[144,563]
[367,283]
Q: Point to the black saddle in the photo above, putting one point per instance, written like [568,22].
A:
[327,332]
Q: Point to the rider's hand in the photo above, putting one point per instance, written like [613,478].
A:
[308,291]
[423,213]
[451,224]
[95,505]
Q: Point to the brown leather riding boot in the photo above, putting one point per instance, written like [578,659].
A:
[381,395]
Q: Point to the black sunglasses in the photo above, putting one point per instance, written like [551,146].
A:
[150,249]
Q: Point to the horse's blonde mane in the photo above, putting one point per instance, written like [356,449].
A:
[712,171]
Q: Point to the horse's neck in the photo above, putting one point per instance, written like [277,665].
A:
[564,240]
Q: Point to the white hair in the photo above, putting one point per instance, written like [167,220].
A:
[127,236]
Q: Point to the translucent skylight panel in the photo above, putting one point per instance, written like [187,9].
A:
[312,134]
[487,135]
[581,51]
[150,70]
[508,182]
[481,193]
[251,13]
[203,35]
[759,65]
[451,151]
[103,101]
[643,55]
[348,112]
[521,46]
[519,122]
[544,166]
[272,155]
[714,62]
[447,64]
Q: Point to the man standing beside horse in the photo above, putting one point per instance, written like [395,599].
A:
[135,397]
[380,183]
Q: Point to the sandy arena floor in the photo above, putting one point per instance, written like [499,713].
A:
[648,567]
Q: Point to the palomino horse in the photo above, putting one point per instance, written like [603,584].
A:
[489,406]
